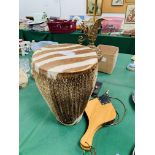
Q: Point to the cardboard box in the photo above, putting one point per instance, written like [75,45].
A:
[108,62]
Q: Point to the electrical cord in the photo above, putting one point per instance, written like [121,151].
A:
[104,99]
[111,123]
[118,121]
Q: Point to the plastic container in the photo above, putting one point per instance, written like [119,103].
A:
[112,24]
[108,62]
[62,26]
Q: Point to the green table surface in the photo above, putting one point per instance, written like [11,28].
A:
[126,44]
[41,134]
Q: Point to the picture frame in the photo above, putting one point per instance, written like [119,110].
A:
[91,5]
[130,1]
[78,18]
[108,8]
[130,14]
[117,2]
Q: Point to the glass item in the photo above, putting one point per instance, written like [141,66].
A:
[23,79]
[24,64]
[131,66]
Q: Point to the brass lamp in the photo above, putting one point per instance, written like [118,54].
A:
[90,31]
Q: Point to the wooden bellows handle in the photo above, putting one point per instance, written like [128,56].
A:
[98,114]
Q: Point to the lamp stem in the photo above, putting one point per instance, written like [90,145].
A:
[95,11]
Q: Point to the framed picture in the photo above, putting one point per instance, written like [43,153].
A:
[91,7]
[130,14]
[130,1]
[78,18]
[117,2]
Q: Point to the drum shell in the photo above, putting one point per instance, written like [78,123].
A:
[68,94]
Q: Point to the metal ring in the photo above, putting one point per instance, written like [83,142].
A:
[92,149]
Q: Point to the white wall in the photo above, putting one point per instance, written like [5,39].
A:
[60,8]
[63,8]
[52,7]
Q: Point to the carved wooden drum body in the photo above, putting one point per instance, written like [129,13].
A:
[65,75]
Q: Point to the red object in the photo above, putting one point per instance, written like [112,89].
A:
[61,26]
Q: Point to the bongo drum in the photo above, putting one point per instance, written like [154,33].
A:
[65,74]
